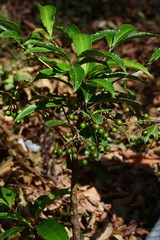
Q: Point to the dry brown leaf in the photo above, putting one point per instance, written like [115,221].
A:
[106,234]
[6,167]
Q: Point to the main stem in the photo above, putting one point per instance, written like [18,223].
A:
[74,201]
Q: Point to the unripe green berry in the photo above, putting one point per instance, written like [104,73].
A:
[54,151]
[133,138]
[71,116]
[8,112]
[119,122]
[74,156]
[95,155]
[105,135]
[145,132]
[92,147]
[107,148]
[67,135]
[82,125]
[96,126]
[146,115]
[86,152]
[84,162]
[59,152]
[75,117]
[113,129]
[18,122]
[69,151]
[127,109]
[101,131]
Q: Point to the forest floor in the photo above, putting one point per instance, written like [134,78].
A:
[121,198]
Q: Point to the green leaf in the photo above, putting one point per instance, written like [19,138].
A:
[45,200]
[122,32]
[77,75]
[155,56]
[97,118]
[88,90]
[10,34]
[110,36]
[88,67]
[69,29]
[63,66]
[72,29]
[3,202]
[110,55]
[81,42]
[13,216]
[33,108]
[131,64]
[123,75]
[47,60]
[48,48]
[105,84]
[51,230]
[136,65]
[9,195]
[10,232]
[92,53]
[38,50]
[47,16]
[53,123]
[99,35]
[151,131]
[10,25]
[117,59]
[139,35]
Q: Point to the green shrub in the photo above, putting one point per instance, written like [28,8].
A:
[92,111]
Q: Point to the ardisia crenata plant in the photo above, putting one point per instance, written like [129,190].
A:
[91,112]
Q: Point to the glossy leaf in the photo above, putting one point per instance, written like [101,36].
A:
[47,60]
[50,229]
[53,123]
[105,84]
[48,48]
[3,202]
[81,42]
[9,195]
[72,29]
[10,232]
[110,36]
[10,25]
[33,108]
[139,35]
[122,75]
[45,200]
[155,56]
[38,50]
[151,131]
[88,67]
[131,64]
[92,53]
[13,216]
[10,34]
[77,75]
[122,32]
[117,59]
[99,35]
[88,90]
[47,16]
[97,118]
